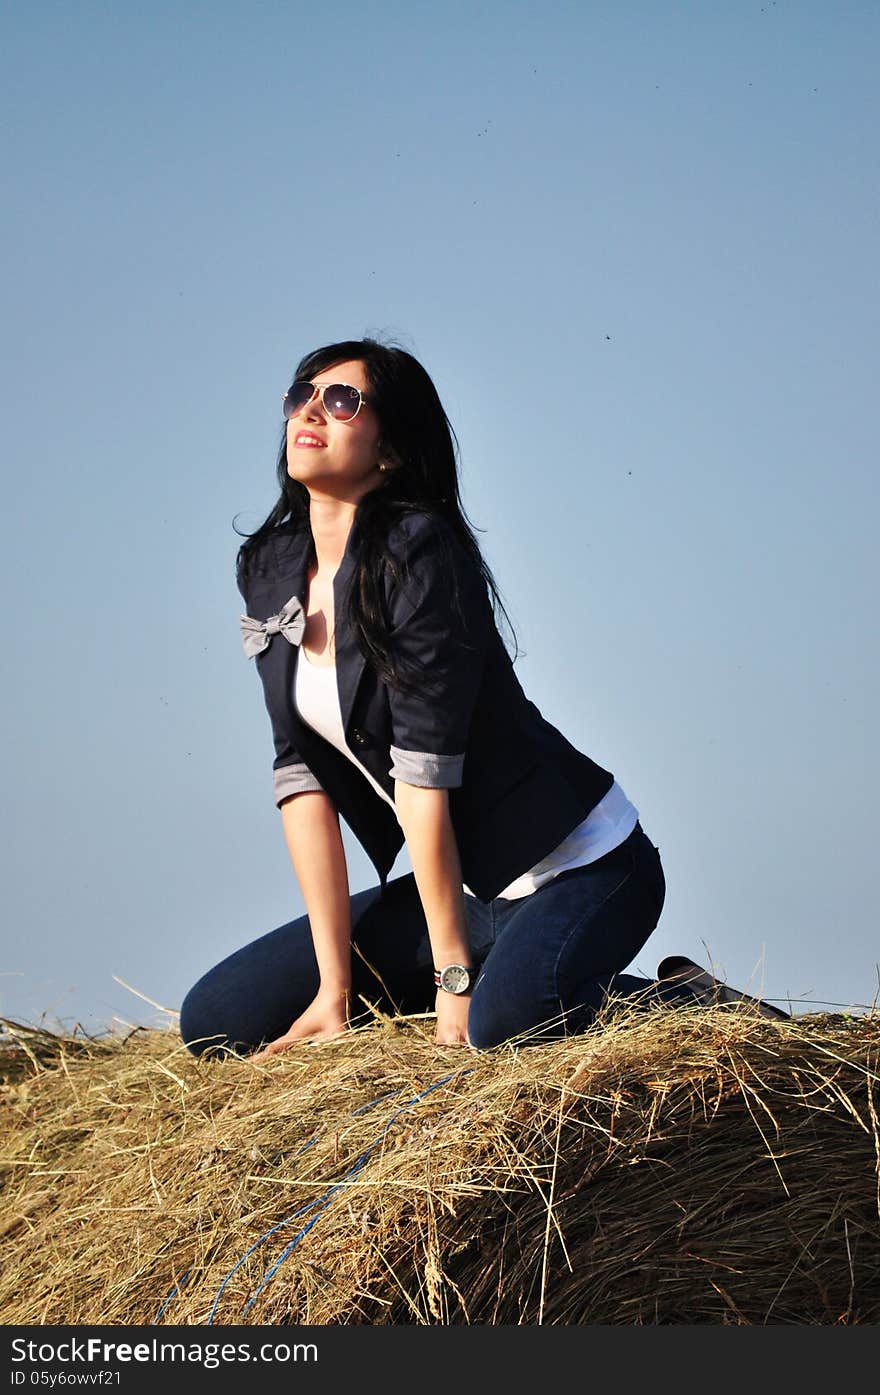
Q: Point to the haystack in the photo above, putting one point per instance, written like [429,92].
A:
[695,1166]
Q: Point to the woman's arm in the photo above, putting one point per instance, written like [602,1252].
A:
[314,841]
[433,850]
[448,640]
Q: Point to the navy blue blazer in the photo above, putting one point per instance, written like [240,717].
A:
[516,786]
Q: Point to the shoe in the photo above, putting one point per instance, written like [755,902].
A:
[711,991]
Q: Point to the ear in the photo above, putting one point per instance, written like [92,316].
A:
[388,457]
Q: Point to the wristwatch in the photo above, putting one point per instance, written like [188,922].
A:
[455,978]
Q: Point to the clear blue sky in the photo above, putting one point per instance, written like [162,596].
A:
[636,246]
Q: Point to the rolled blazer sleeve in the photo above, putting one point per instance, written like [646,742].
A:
[290,773]
[448,643]
[293,777]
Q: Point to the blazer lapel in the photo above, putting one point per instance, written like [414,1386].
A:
[350,662]
[292,558]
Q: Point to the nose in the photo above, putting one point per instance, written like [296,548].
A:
[314,409]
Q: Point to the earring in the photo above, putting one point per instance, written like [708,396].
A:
[382,465]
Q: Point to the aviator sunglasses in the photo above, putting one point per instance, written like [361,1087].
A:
[341,401]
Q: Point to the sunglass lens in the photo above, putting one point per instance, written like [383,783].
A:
[341,401]
[297,397]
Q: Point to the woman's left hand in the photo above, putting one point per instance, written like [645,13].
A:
[452,1018]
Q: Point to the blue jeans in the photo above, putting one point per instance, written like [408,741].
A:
[546,960]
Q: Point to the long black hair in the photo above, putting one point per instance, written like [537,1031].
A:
[417,438]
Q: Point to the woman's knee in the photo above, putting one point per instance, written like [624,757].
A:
[491,1023]
[480,1034]
[203,1030]
[192,1019]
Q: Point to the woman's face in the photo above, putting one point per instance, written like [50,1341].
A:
[336,458]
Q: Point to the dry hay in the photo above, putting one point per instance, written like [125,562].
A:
[696,1166]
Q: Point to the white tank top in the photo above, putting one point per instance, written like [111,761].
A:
[605,827]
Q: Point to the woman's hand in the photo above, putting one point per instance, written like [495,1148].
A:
[326,1016]
[452,1018]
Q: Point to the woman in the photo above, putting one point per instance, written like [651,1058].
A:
[394,703]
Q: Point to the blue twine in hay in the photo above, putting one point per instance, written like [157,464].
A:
[175,1288]
[310,1206]
[327,1197]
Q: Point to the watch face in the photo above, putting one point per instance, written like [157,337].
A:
[455,978]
